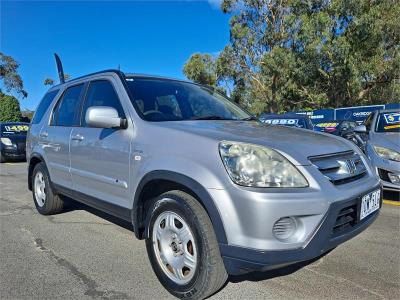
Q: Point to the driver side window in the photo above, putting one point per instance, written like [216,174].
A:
[102,93]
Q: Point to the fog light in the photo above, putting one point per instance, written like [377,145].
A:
[285,228]
[394,178]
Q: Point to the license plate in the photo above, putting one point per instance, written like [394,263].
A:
[370,203]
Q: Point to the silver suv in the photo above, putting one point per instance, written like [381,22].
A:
[211,190]
[381,132]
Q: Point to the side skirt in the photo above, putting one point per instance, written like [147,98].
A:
[109,208]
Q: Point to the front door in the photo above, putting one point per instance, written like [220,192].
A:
[100,157]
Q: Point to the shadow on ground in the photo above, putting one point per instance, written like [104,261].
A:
[393,196]
[72,205]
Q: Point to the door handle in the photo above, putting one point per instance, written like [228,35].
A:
[77,137]
[44,134]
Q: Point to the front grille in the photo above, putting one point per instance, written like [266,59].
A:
[340,168]
[346,219]
[21,146]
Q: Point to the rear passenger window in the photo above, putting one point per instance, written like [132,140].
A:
[66,112]
[102,93]
[43,105]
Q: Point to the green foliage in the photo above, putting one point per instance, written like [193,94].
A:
[294,54]
[201,68]
[27,115]
[9,75]
[50,81]
[9,109]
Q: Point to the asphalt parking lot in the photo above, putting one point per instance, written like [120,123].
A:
[85,254]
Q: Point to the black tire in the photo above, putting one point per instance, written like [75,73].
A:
[53,204]
[210,274]
[2,158]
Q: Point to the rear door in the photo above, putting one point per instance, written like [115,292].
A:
[100,157]
[55,136]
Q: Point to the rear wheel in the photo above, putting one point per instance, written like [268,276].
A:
[46,201]
[183,248]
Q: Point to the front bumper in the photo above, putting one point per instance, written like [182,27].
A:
[13,152]
[386,182]
[382,168]
[240,260]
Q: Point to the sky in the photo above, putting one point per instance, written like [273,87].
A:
[152,37]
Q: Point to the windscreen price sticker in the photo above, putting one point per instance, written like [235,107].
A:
[17,128]
[282,121]
[392,118]
[327,125]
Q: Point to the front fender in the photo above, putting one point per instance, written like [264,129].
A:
[191,184]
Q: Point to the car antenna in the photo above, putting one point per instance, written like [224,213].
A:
[60,69]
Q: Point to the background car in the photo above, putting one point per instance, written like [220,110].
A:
[290,119]
[337,127]
[13,140]
[381,133]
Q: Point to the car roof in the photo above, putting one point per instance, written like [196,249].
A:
[286,115]
[12,123]
[389,110]
[121,74]
[337,121]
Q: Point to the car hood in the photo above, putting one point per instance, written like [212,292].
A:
[389,140]
[297,143]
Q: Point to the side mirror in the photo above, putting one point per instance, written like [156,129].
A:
[104,117]
[360,129]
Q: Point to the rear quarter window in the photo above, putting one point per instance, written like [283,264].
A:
[43,105]
[67,109]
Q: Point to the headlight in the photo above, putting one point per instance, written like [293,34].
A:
[258,166]
[6,141]
[387,153]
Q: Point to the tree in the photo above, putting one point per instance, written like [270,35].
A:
[50,81]
[9,75]
[9,108]
[294,54]
[201,69]
[27,115]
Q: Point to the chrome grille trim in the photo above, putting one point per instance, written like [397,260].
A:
[340,168]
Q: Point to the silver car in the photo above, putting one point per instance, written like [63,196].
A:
[381,132]
[211,190]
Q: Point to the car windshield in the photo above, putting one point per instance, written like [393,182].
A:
[388,122]
[12,129]
[170,100]
[291,122]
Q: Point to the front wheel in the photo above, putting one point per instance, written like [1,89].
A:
[183,248]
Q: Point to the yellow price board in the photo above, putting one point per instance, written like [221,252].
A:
[16,128]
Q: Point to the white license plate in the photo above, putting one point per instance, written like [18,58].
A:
[370,203]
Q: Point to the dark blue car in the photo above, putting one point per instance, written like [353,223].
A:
[289,119]
[13,140]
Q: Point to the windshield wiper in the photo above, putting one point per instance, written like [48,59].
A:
[211,117]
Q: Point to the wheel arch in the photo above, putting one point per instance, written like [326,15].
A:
[33,161]
[157,182]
